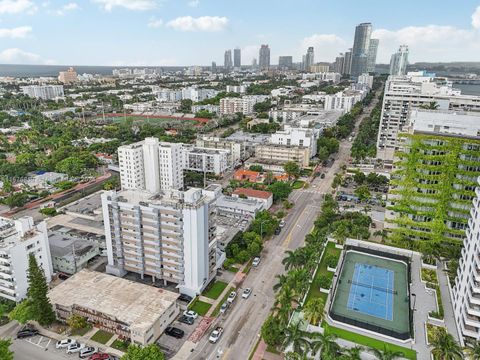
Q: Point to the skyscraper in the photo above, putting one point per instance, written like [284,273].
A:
[372,55]
[227,63]
[339,63]
[347,64]
[264,57]
[285,62]
[309,59]
[361,47]
[237,58]
[214,67]
[399,61]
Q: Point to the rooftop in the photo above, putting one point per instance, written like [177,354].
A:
[239,203]
[253,193]
[135,304]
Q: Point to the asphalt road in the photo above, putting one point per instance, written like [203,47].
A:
[243,321]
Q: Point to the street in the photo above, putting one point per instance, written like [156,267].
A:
[243,321]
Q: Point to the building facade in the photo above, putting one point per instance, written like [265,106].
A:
[264,57]
[281,154]
[44,92]
[227,61]
[360,50]
[237,58]
[285,62]
[213,161]
[372,55]
[303,137]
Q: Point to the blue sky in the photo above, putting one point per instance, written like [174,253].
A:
[189,32]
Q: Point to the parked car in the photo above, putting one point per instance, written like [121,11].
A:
[190,313]
[282,223]
[246,293]
[322,176]
[64,343]
[216,334]
[185,298]
[256,261]
[27,332]
[175,332]
[224,307]
[278,230]
[186,319]
[231,297]
[99,356]
[86,352]
[75,347]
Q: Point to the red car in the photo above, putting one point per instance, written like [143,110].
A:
[99,356]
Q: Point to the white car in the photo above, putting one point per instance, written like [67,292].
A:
[61,344]
[190,313]
[282,223]
[216,334]
[74,348]
[232,297]
[224,307]
[87,352]
[256,261]
[246,293]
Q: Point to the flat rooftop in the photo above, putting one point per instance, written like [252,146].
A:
[135,304]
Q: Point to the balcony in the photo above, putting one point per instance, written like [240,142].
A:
[472,321]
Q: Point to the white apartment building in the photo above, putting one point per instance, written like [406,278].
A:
[339,101]
[323,76]
[239,89]
[237,149]
[44,92]
[169,236]
[466,290]
[244,105]
[151,165]
[209,107]
[280,154]
[198,94]
[215,161]
[404,93]
[366,79]
[294,136]
[18,239]
[168,95]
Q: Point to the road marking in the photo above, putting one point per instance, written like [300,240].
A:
[289,237]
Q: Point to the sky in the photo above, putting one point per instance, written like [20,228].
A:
[197,32]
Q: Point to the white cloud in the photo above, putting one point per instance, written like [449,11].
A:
[202,23]
[139,5]
[15,33]
[17,6]
[194,3]
[327,46]
[18,56]
[67,8]
[476,18]
[155,23]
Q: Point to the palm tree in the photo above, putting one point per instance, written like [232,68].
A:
[299,280]
[296,338]
[445,347]
[351,354]
[292,260]
[386,354]
[326,344]
[473,350]
[313,311]
[295,356]
[282,280]
[432,105]
[286,296]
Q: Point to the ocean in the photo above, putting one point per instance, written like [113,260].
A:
[52,70]
[468,89]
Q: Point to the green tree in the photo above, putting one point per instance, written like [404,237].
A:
[292,169]
[326,344]
[37,293]
[77,322]
[313,310]
[362,192]
[16,200]
[296,338]
[149,352]
[432,105]
[280,190]
[5,352]
[7,186]
[445,347]
[386,354]
[72,166]
[473,350]
[186,105]
[22,313]
[272,332]
[351,353]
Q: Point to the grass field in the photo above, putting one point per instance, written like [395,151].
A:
[368,342]
[200,307]
[215,289]
[101,337]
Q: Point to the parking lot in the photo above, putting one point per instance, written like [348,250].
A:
[169,344]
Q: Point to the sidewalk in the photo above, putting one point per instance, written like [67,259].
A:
[448,314]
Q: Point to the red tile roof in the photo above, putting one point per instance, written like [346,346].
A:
[252,193]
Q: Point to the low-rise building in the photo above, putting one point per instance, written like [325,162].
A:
[133,311]
[238,208]
[247,175]
[214,161]
[266,197]
[303,137]
[283,154]
[237,149]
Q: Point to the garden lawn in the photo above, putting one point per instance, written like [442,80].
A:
[101,337]
[200,307]
[314,291]
[120,345]
[368,342]
[298,184]
[215,290]
[82,331]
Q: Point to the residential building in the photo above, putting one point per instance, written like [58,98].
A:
[247,175]
[134,312]
[285,62]
[264,57]
[405,93]
[197,94]
[168,236]
[44,92]
[372,55]
[213,68]
[320,68]
[436,168]
[465,293]
[281,154]
[168,95]
[18,239]
[237,58]
[399,61]
[68,77]
[295,136]
[309,59]
[214,161]
[208,107]
[237,150]
[239,89]
[339,63]
[227,62]
[266,197]
[347,64]
[238,208]
[244,105]
[341,101]
[366,79]
[360,50]
[151,165]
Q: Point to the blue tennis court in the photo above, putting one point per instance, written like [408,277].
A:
[372,291]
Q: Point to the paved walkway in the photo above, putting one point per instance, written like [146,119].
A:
[449,316]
